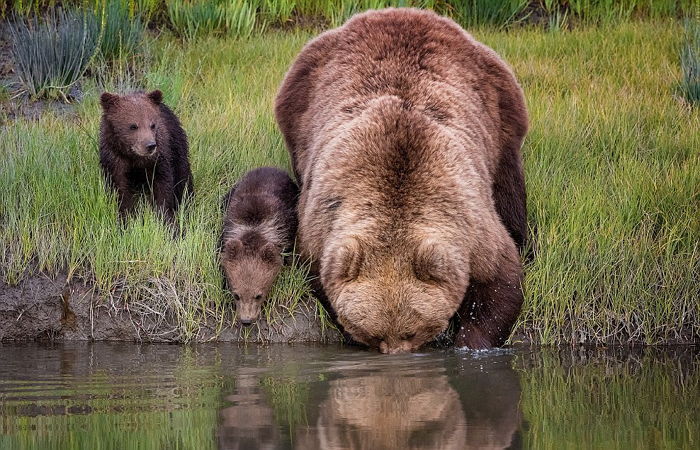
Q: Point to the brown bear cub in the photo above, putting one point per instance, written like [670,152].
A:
[405,136]
[260,223]
[143,149]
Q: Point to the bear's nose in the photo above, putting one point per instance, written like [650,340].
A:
[400,347]
[246,322]
[151,147]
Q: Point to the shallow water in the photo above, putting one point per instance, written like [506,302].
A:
[127,396]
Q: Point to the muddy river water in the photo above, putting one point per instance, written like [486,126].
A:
[128,396]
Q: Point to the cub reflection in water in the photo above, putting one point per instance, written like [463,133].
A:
[249,423]
[416,411]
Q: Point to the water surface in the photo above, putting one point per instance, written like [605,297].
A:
[127,396]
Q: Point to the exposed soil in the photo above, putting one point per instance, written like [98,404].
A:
[43,308]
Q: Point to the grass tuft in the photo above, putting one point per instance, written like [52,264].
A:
[122,30]
[690,63]
[474,13]
[193,19]
[52,54]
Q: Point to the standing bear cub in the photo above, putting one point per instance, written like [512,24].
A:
[405,136]
[260,223]
[143,149]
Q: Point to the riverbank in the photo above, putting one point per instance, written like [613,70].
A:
[43,308]
[612,173]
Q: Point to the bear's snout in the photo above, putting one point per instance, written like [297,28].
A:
[395,348]
[248,312]
[151,147]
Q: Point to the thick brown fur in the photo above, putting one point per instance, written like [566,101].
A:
[151,158]
[405,138]
[260,223]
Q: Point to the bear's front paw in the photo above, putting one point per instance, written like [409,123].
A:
[472,337]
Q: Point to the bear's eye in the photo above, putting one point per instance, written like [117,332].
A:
[133,126]
[236,297]
[153,126]
[258,297]
[408,336]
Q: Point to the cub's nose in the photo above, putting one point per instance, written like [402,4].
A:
[246,322]
[151,147]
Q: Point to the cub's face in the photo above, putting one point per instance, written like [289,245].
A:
[395,301]
[136,120]
[249,275]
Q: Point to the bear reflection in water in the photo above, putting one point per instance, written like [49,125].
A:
[414,412]
[383,412]
[249,422]
[388,407]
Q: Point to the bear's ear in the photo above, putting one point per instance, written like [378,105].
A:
[233,248]
[269,253]
[431,262]
[344,261]
[156,96]
[108,100]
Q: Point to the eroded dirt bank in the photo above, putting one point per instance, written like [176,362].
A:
[49,308]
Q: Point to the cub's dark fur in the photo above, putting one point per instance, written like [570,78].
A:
[143,148]
[260,223]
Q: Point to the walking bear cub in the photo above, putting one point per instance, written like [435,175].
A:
[260,223]
[143,149]
[405,138]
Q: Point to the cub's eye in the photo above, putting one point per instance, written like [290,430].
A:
[236,297]
[408,336]
[153,126]
[258,297]
[133,126]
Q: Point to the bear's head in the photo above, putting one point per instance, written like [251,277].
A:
[250,264]
[135,121]
[394,297]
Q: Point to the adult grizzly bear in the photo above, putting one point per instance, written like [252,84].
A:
[405,138]
[143,148]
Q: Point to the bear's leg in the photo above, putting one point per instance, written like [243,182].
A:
[184,187]
[491,307]
[116,179]
[126,199]
[163,197]
[509,195]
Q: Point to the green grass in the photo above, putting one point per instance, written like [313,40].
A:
[467,12]
[612,172]
[191,20]
[121,31]
[612,175]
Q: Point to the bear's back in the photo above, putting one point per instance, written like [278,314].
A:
[265,198]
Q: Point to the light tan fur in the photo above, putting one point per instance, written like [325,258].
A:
[395,123]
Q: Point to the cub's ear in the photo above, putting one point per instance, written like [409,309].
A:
[232,248]
[431,262]
[156,96]
[344,261]
[108,100]
[270,254]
